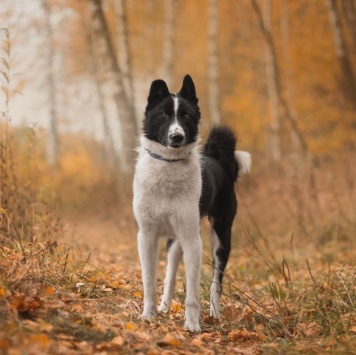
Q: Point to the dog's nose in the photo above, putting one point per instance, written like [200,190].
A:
[176,137]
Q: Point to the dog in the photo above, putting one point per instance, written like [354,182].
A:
[174,187]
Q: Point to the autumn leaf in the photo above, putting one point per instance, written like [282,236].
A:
[49,290]
[22,303]
[118,340]
[243,335]
[130,326]
[170,340]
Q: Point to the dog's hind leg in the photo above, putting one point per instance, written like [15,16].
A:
[174,255]
[221,246]
[148,251]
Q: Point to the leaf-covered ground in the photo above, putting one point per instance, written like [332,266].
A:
[83,294]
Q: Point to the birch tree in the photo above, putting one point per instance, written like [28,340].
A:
[348,75]
[275,76]
[52,141]
[125,109]
[97,75]
[271,67]
[168,51]
[213,65]
[123,48]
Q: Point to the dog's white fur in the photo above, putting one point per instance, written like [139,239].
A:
[166,203]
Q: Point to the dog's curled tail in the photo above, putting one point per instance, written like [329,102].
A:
[221,145]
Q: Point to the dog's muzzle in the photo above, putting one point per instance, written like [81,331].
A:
[176,140]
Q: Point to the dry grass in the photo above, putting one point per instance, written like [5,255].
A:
[73,285]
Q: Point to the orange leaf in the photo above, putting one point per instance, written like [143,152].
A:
[49,290]
[172,341]
[22,303]
[138,294]
[130,326]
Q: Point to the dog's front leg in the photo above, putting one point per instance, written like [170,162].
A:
[173,258]
[192,254]
[148,250]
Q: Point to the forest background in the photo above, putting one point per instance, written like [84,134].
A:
[75,77]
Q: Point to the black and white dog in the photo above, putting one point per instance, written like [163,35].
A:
[174,186]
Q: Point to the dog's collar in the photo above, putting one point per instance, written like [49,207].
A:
[159,157]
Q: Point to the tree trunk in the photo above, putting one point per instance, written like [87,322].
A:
[123,48]
[276,78]
[213,65]
[284,25]
[167,55]
[96,74]
[52,140]
[349,9]
[125,109]
[348,75]
[275,134]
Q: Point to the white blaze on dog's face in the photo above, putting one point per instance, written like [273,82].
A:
[176,134]
[172,119]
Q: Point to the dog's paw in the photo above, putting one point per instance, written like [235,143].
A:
[215,313]
[149,316]
[163,308]
[192,327]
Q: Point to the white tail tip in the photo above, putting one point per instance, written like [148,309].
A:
[244,162]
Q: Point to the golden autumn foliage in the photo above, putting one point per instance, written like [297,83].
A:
[70,280]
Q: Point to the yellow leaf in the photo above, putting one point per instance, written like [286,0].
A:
[172,341]
[176,307]
[3,292]
[138,294]
[42,339]
[130,326]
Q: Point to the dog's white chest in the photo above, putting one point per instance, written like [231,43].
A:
[163,189]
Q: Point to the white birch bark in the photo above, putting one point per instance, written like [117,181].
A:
[167,45]
[123,48]
[107,52]
[213,64]
[52,140]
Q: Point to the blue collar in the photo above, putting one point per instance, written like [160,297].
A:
[159,157]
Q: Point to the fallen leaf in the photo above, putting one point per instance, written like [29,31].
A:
[196,342]
[4,345]
[211,320]
[3,292]
[130,326]
[353,330]
[77,308]
[49,290]
[118,340]
[169,340]
[243,335]
[22,303]
[138,294]
[143,336]
[41,339]
[176,307]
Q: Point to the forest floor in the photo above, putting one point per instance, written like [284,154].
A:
[83,294]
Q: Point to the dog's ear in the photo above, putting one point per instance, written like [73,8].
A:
[188,90]
[158,91]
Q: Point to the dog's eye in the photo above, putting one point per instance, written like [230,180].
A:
[164,115]
[186,117]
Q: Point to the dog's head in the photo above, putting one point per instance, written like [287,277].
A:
[172,119]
